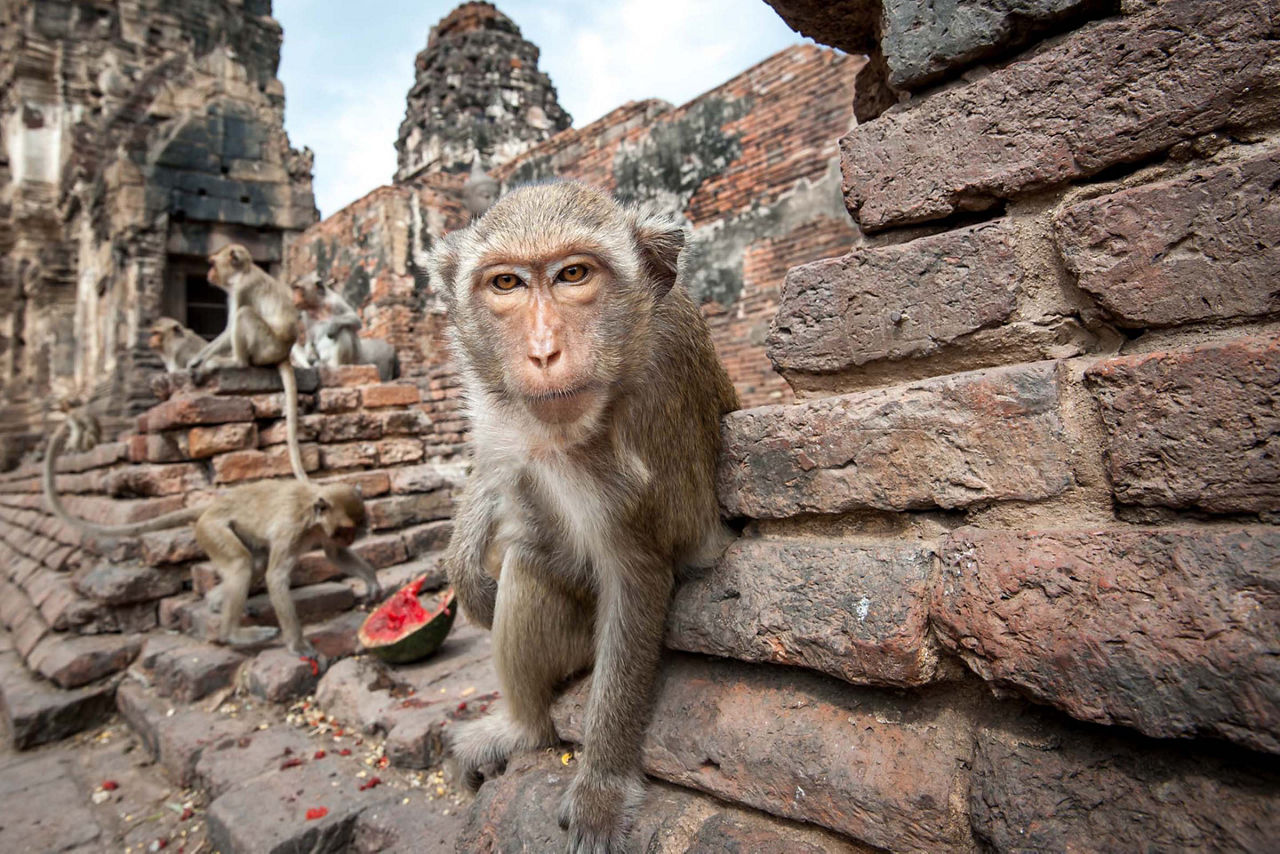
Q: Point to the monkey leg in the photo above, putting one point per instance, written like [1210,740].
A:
[234,563]
[541,635]
[602,800]
[279,568]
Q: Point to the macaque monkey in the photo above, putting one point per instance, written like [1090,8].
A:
[176,344]
[262,327]
[596,398]
[332,331]
[248,531]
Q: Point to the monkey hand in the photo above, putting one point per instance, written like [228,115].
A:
[372,593]
[598,810]
[478,595]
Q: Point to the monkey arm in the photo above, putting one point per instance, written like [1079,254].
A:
[465,559]
[341,314]
[630,617]
[352,564]
[216,347]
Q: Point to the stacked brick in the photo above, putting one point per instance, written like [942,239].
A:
[1010,572]
[75,608]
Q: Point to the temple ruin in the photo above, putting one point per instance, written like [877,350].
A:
[995,285]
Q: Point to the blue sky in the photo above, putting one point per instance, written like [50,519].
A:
[346,66]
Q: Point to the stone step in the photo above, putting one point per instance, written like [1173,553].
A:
[517,811]
[185,669]
[414,704]
[36,711]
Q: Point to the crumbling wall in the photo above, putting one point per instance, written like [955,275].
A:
[137,138]
[1009,576]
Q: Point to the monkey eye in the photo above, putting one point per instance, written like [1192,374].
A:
[505,282]
[573,274]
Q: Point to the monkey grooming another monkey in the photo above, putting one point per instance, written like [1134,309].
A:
[176,344]
[595,397]
[262,327]
[247,532]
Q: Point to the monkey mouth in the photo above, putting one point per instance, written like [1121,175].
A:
[562,405]
[345,536]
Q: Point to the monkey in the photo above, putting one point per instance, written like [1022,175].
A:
[332,328]
[595,396]
[176,344]
[248,531]
[262,327]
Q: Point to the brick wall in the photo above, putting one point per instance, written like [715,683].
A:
[1010,571]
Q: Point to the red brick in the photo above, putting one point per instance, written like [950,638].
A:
[122,584]
[351,455]
[984,436]
[252,465]
[348,376]
[1042,786]
[1111,93]
[896,302]
[338,399]
[396,451]
[149,481]
[208,441]
[186,410]
[800,746]
[374,396]
[1168,631]
[401,510]
[858,612]
[1194,428]
[1201,246]
[73,661]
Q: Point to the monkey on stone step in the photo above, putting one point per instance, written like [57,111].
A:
[262,327]
[248,531]
[176,344]
[595,396]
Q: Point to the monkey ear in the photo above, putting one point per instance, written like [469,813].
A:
[239,257]
[660,241]
[442,267]
[321,506]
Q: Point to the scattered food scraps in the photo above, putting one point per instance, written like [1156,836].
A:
[370,783]
[319,755]
[566,758]
[109,785]
[290,763]
[317,812]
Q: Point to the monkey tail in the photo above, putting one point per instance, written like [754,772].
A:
[290,382]
[160,523]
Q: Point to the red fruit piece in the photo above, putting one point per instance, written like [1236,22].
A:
[110,785]
[317,812]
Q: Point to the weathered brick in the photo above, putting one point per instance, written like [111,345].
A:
[72,661]
[1194,428]
[148,481]
[122,583]
[387,394]
[1168,631]
[518,812]
[801,746]
[401,510]
[189,410]
[923,40]
[168,447]
[278,433]
[207,441]
[176,545]
[1041,786]
[349,455]
[386,550]
[312,603]
[36,712]
[851,25]
[1203,246]
[252,465]
[190,670]
[393,452]
[338,399]
[858,612]
[425,478]
[349,427]
[895,302]
[427,538]
[1110,93]
[348,376]
[176,737]
[976,437]
[228,381]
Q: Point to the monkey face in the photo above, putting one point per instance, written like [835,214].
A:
[161,331]
[226,262]
[552,294]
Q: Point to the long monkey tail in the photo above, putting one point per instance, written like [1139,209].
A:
[169,520]
[290,382]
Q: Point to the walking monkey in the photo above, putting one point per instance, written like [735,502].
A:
[247,531]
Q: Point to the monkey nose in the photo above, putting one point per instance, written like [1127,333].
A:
[544,358]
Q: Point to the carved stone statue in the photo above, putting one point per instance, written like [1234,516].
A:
[480,191]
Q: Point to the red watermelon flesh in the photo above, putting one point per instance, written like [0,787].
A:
[400,630]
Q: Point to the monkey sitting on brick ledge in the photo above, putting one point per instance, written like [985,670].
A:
[595,397]
[248,531]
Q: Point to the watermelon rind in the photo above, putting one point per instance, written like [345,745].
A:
[415,642]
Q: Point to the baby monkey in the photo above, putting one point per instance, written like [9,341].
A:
[249,531]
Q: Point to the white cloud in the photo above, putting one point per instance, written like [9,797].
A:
[348,66]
